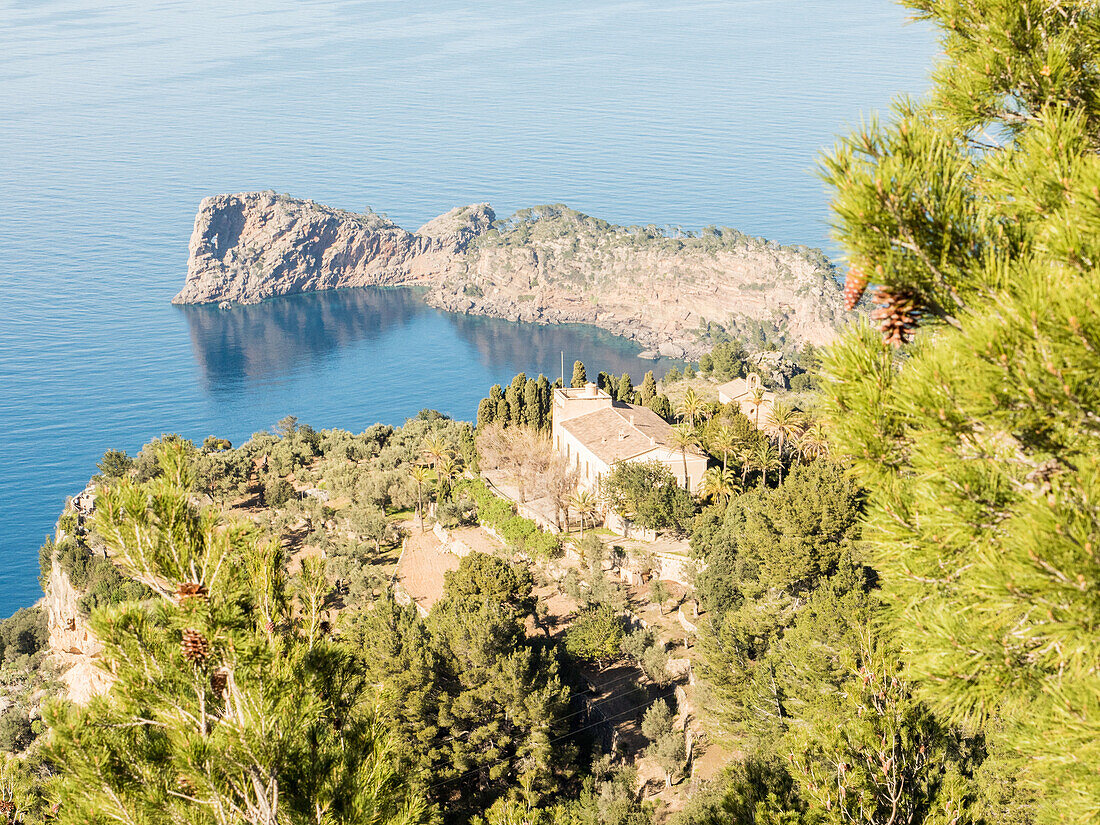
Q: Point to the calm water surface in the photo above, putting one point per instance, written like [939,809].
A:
[116,119]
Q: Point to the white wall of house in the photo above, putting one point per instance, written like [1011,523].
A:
[588,465]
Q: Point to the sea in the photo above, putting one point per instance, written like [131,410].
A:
[117,118]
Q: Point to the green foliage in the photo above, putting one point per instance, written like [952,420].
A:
[26,783]
[580,377]
[24,633]
[115,464]
[647,492]
[596,635]
[790,537]
[527,402]
[15,730]
[219,703]
[478,704]
[277,492]
[977,212]
[213,443]
[874,753]
[728,360]
[661,405]
[758,789]
[522,534]
[666,744]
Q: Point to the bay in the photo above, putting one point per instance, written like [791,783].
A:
[116,119]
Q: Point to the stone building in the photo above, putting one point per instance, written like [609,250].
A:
[749,394]
[593,433]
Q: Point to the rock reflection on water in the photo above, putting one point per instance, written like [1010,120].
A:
[281,335]
[286,335]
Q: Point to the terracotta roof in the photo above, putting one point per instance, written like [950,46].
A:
[739,388]
[622,431]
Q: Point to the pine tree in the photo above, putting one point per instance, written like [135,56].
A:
[221,711]
[970,408]
[580,378]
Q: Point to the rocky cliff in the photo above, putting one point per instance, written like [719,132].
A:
[252,246]
[73,647]
[666,290]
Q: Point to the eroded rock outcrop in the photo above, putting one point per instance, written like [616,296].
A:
[665,290]
[256,245]
[73,647]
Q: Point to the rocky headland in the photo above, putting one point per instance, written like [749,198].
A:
[669,291]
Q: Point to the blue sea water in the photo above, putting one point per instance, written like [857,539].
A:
[116,118]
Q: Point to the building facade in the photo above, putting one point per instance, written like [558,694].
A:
[751,397]
[593,433]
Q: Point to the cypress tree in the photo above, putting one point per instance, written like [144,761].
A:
[649,388]
[969,407]
[661,405]
[607,383]
[496,398]
[532,410]
[514,396]
[546,400]
[486,412]
[625,389]
[580,378]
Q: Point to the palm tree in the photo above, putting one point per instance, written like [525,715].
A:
[683,437]
[691,406]
[420,474]
[723,442]
[812,443]
[746,457]
[757,400]
[435,448]
[719,485]
[446,468]
[785,426]
[586,504]
[765,459]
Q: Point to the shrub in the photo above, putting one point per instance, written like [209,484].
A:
[15,730]
[521,534]
[23,634]
[596,636]
[277,492]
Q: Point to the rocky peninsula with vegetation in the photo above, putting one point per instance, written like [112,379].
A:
[671,291]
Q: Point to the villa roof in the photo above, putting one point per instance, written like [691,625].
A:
[622,431]
[740,388]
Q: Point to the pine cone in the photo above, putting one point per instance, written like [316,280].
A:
[185,785]
[195,647]
[898,314]
[269,626]
[219,680]
[7,809]
[854,285]
[191,590]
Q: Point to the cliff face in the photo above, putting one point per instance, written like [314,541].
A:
[555,265]
[548,264]
[73,648]
[249,247]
